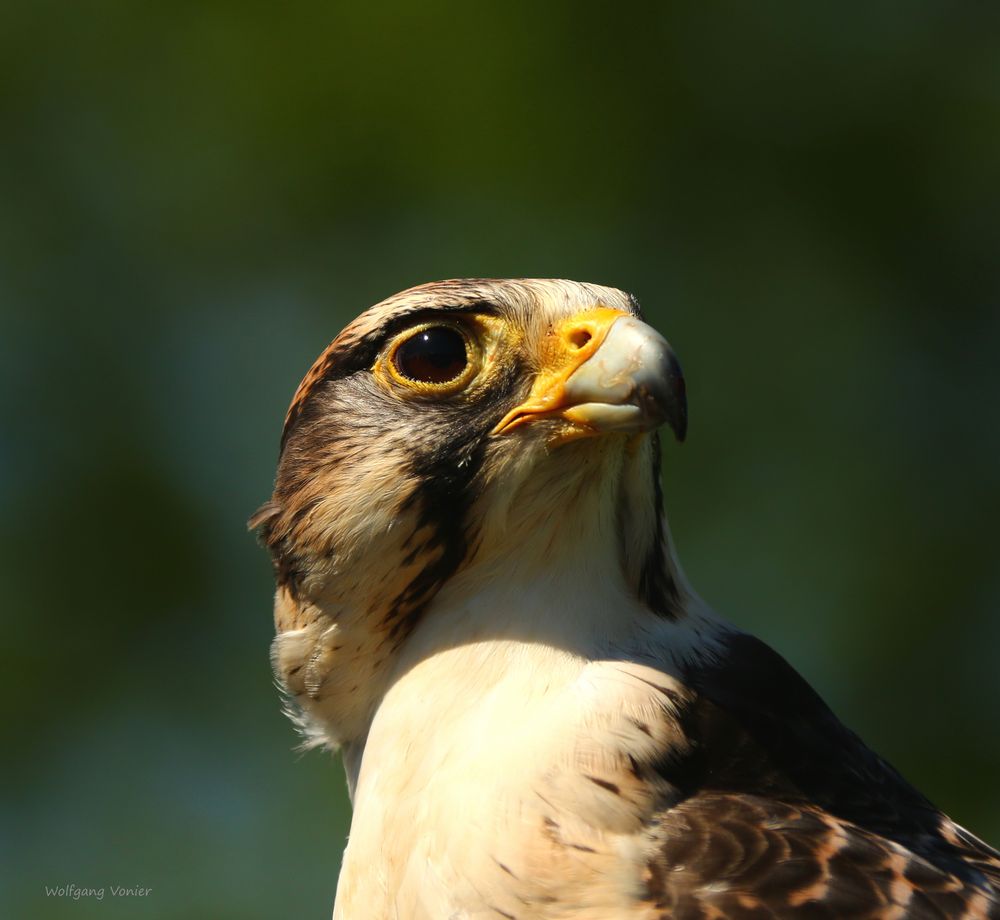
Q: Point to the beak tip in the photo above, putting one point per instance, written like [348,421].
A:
[677,412]
[677,420]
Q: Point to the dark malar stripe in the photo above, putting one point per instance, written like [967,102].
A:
[657,584]
[449,476]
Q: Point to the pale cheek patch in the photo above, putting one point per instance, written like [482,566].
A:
[337,635]
[354,507]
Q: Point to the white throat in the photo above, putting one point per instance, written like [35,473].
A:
[545,581]
[526,675]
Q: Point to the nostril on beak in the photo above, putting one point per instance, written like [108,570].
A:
[579,337]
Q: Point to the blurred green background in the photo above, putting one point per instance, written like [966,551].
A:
[196,196]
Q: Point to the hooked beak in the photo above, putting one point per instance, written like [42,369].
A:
[604,370]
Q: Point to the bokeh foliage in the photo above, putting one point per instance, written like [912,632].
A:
[197,195]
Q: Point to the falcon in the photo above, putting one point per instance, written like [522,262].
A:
[478,603]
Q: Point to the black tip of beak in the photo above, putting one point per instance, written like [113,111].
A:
[661,395]
[677,410]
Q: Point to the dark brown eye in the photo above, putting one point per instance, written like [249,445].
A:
[434,355]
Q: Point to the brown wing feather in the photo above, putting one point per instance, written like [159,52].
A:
[785,813]
[741,856]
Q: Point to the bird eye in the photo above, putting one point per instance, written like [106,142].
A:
[436,354]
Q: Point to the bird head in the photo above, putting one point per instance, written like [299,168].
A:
[461,424]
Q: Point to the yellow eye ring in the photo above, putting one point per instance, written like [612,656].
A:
[434,358]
